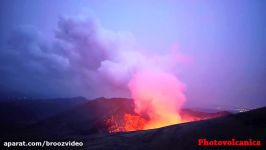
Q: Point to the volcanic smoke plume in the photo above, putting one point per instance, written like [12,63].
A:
[159,95]
[87,59]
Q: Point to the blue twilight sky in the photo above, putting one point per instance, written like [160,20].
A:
[226,40]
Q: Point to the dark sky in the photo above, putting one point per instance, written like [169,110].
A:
[62,48]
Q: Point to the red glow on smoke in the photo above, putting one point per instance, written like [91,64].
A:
[159,95]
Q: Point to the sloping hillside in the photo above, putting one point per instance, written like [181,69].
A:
[83,119]
[245,126]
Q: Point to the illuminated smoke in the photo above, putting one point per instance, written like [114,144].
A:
[84,57]
[159,95]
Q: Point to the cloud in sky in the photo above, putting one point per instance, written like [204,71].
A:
[226,40]
[83,58]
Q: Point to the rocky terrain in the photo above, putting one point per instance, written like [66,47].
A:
[82,120]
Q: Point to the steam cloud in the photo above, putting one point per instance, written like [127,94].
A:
[159,95]
[83,58]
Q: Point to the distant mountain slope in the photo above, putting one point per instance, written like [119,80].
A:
[90,117]
[85,119]
[20,113]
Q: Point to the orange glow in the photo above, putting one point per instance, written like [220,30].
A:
[159,95]
[135,122]
[130,122]
[157,123]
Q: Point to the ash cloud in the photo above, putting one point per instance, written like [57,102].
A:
[83,58]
